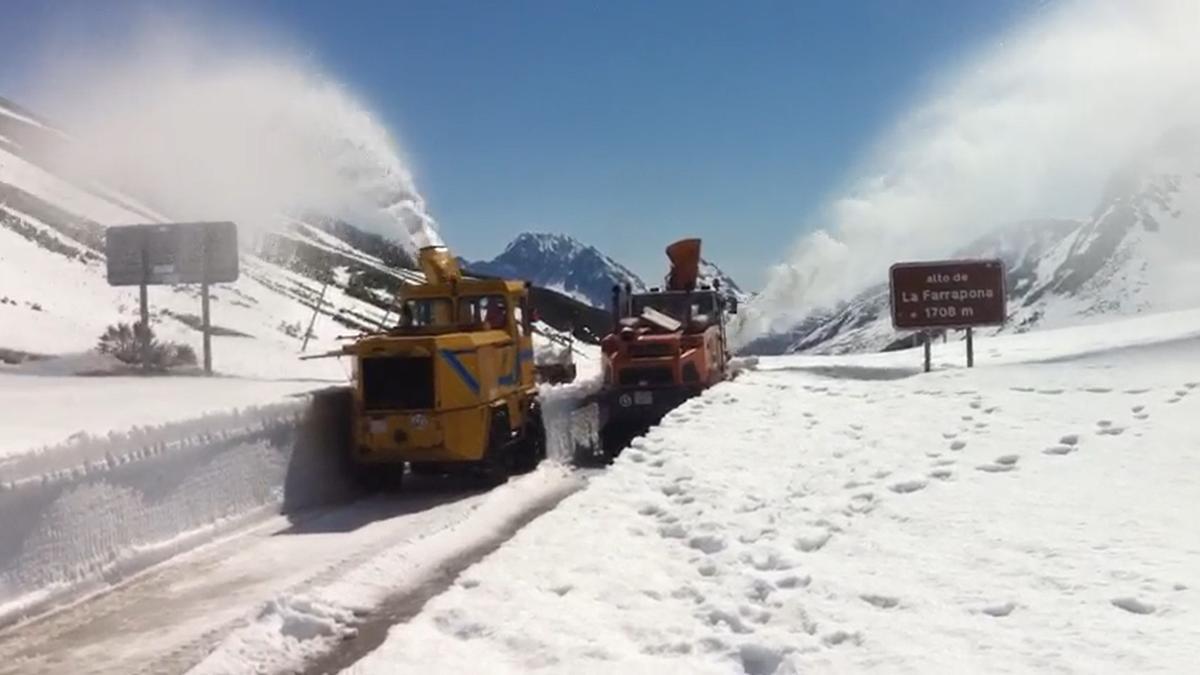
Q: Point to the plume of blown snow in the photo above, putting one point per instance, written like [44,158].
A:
[1030,127]
[208,126]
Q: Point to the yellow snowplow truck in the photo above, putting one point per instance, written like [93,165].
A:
[451,388]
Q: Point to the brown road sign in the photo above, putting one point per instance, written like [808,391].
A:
[948,294]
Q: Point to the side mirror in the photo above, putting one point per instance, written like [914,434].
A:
[733,305]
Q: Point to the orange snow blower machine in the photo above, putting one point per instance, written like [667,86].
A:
[666,346]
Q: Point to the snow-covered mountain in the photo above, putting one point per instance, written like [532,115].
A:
[563,263]
[1135,254]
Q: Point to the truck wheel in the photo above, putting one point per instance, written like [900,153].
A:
[379,477]
[532,448]
[497,461]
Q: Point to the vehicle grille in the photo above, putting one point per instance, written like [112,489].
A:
[641,377]
[397,383]
[651,349]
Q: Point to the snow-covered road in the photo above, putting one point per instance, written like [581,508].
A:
[283,591]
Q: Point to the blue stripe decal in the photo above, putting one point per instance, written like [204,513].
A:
[462,371]
[508,380]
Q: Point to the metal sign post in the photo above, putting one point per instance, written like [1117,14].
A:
[313,320]
[205,326]
[144,310]
[946,295]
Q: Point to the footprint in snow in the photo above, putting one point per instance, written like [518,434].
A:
[708,544]
[1007,460]
[908,486]
[1138,408]
[673,531]
[1059,450]
[841,637]
[1069,439]
[958,445]
[941,474]
[1133,605]
[794,581]
[759,659]
[813,541]
[880,601]
[995,468]
[999,611]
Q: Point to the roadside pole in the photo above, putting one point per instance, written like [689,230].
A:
[970,347]
[143,297]
[928,351]
[206,325]
[313,320]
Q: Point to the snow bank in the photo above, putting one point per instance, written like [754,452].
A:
[91,511]
[1025,517]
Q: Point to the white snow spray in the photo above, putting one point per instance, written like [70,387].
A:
[231,130]
[1031,127]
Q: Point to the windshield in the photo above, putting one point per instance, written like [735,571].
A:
[491,310]
[426,313]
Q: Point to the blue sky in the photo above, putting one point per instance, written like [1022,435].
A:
[626,124]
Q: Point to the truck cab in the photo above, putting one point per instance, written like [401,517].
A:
[451,385]
[665,347]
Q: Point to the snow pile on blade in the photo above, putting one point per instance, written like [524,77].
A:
[851,514]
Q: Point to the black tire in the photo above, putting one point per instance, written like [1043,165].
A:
[532,448]
[379,477]
[616,436]
[497,462]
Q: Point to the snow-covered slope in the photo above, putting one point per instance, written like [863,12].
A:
[848,514]
[864,323]
[55,297]
[1137,253]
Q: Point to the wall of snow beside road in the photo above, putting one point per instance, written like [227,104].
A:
[91,510]
[850,515]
